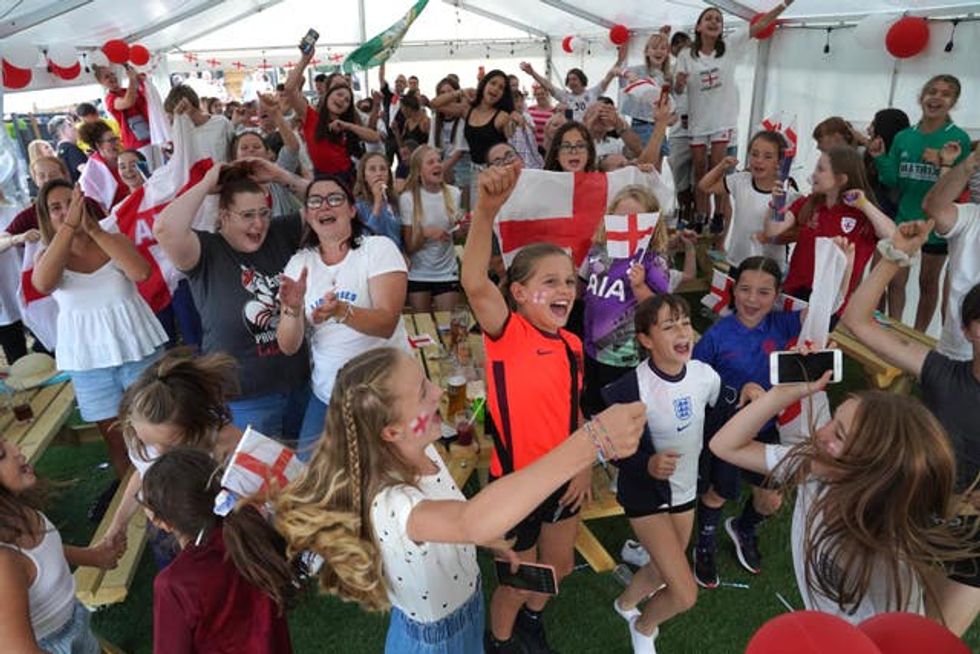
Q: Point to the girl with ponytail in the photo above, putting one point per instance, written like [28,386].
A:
[378,504]
[228,587]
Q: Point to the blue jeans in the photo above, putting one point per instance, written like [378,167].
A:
[276,415]
[644,130]
[74,637]
[312,429]
[460,632]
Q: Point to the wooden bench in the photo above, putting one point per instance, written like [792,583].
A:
[603,505]
[95,587]
[52,405]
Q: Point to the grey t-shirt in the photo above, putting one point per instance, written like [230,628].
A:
[952,393]
[237,295]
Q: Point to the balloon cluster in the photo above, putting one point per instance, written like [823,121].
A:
[903,38]
[618,35]
[19,58]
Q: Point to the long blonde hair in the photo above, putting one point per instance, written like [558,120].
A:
[888,504]
[413,185]
[665,66]
[660,238]
[327,510]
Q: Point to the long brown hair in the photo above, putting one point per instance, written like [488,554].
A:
[327,510]
[361,189]
[844,160]
[41,205]
[180,487]
[888,504]
[189,393]
[698,41]
[551,159]
[18,511]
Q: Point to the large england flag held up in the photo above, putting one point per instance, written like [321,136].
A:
[566,208]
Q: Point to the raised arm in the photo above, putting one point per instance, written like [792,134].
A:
[886,163]
[132,91]
[172,228]
[387,293]
[907,354]
[884,226]
[292,312]
[616,70]
[940,202]
[502,504]
[776,228]
[768,19]
[713,182]
[486,300]
[51,264]
[557,93]
[293,88]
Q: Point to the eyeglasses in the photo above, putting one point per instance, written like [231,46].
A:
[332,200]
[572,148]
[505,160]
[252,214]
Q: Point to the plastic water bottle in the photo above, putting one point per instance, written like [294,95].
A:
[623,574]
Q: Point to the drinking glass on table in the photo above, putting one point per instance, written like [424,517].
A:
[465,427]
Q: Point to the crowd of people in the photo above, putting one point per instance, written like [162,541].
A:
[324,216]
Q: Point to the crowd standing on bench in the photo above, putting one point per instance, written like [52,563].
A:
[295,278]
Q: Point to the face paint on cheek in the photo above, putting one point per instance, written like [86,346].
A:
[539,297]
[420,423]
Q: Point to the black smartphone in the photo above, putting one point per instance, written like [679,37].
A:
[789,367]
[306,45]
[534,577]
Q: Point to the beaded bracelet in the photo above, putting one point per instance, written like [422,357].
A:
[605,437]
[599,451]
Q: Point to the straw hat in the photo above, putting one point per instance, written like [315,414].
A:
[30,371]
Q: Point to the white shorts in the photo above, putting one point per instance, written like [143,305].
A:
[721,136]
[679,160]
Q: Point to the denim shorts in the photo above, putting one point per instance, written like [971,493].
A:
[460,632]
[644,129]
[75,637]
[100,390]
[314,422]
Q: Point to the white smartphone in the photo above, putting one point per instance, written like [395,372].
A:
[790,367]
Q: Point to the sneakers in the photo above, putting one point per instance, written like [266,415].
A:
[492,645]
[627,615]
[529,631]
[642,644]
[746,547]
[705,568]
[634,553]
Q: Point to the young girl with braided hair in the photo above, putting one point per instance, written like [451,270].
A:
[378,504]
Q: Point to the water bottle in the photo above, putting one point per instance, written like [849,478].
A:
[623,574]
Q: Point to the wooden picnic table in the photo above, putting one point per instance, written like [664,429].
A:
[52,405]
[880,373]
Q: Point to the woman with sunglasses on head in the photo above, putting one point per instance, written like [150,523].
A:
[344,285]
[234,280]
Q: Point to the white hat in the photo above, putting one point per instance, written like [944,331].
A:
[30,371]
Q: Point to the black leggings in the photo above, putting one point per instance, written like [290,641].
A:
[13,340]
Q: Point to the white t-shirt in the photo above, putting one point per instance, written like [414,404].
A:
[333,344]
[878,598]
[426,581]
[579,102]
[214,137]
[10,263]
[450,143]
[436,260]
[712,96]
[964,268]
[608,145]
[750,212]
[675,417]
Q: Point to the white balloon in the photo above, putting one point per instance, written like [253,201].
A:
[577,44]
[98,58]
[21,54]
[871,30]
[62,55]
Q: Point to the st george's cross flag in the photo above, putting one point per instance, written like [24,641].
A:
[566,208]
[260,463]
[39,312]
[720,294]
[136,215]
[630,234]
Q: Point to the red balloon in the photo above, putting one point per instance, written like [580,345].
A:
[619,34]
[566,44]
[907,37]
[116,51]
[139,55]
[14,77]
[810,632]
[908,633]
[766,33]
[69,73]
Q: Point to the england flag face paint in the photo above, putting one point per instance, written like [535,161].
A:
[540,297]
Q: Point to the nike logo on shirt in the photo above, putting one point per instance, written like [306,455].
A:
[683,427]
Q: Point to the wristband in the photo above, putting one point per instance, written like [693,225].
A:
[888,251]
[292,312]
[605,437]
[591,433]
[348,312]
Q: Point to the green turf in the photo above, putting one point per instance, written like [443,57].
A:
[581,620]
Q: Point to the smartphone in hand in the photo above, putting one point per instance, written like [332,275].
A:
[790,367]
[534,577]
[306,45]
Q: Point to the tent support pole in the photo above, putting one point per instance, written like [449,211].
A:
[362,27]
[894,84]
[548,66]
[759,86]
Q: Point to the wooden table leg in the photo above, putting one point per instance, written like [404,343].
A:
[592,550]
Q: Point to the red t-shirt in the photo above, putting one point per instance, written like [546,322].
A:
[202,604]
[838,220]
[134,123]
[534,380]
[328,158]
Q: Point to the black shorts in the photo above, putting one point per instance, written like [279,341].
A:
[597,375]
[968,572]
[940,249]
[527,531]
[724,477]
[436,288]
[641,495]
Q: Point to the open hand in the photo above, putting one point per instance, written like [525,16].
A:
[292,292]
[326,308]
[579,490]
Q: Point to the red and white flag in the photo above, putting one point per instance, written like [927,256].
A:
[258,463]
[627,235]
[785,125]
[566,208]
[38,311]
[720,295]
[98,182]
[136,215]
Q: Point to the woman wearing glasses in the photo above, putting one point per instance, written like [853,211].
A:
[100,179]
[348,286]
[234,280]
